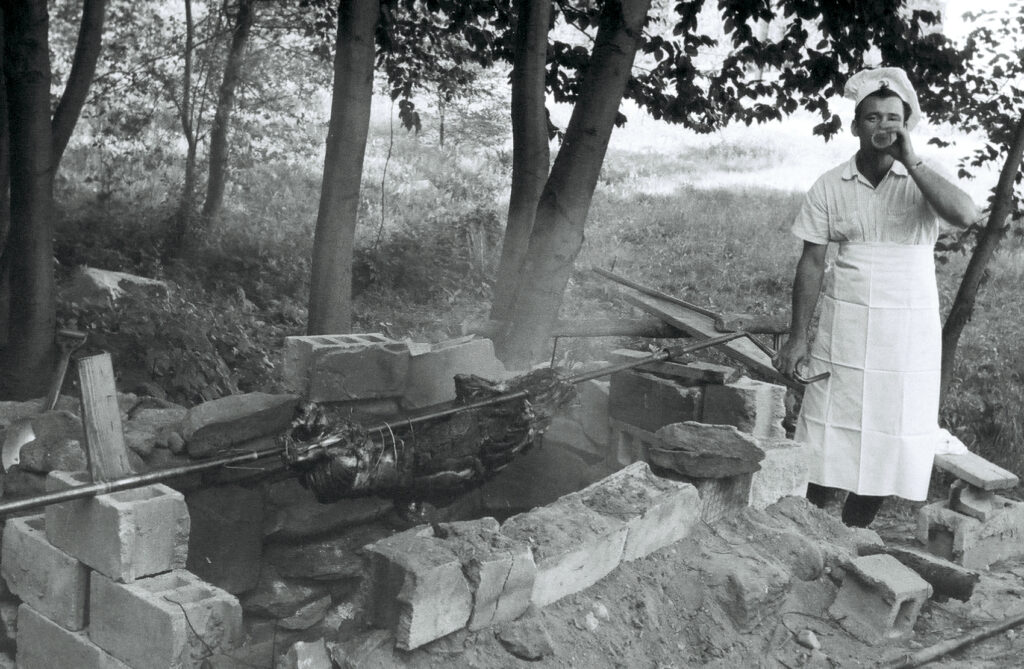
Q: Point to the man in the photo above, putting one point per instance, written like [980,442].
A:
[872,425]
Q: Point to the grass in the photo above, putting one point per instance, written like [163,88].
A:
[703,218]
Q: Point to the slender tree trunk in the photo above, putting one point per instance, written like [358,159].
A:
[330,293]
[181,232]
[83,68]
[215,184]
[963,305]
[27,358]
[562,212]
[5,197]
[530,153]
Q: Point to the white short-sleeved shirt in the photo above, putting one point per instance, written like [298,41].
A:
[843,206]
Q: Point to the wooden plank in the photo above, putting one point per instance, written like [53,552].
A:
[649,326]
[977,471]
[101,420]
[701,326]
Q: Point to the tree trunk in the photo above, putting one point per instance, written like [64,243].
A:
[26,361]
[5,197]
[330,293]
[562,211]
[181,232]
[83,68]
[530,154]
[989,238]
[244,18]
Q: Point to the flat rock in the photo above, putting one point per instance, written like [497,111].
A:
[705,451]
[339,557]
[212,426]
[279,598]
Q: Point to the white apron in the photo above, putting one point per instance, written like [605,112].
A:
[872,426]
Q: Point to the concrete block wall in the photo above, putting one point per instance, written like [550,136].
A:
[101,585]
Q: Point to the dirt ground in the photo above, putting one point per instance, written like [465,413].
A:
[738,594]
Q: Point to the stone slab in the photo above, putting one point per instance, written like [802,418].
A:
[755,407]
[213,426]
[593,413]
[972,501]
[657,512]
[124,535]
[629,443]
[573,546]
[501,571]
[703,451]
[783,472]
[649,402]
[181,618]
[52,582]
[420,590]
[43,644]
[977,471]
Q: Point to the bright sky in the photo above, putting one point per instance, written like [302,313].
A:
[954,26]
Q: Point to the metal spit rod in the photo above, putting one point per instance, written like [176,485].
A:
[251,455]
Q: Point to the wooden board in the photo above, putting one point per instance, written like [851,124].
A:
[700,373]
[101,419]
[701,326]
[977,471]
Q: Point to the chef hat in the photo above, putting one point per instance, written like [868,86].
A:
[866,82]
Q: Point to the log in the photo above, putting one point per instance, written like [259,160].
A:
[947,579]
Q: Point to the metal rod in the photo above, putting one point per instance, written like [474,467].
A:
[102,488]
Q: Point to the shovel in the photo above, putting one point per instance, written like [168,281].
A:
[20,431]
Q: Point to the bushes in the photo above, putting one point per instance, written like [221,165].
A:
[195,347]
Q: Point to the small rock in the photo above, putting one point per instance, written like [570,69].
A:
[808,639]
[1011,634]
[176,443]
[526,638]
[601,611]
[308,615]
[591,622]
[818,660]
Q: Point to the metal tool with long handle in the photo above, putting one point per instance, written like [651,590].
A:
[258,453]
[20,432]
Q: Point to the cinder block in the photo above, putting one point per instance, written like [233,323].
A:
[170,621]
[55,584]
[124,535]
[879,599]
[783,472]
[431,376]
[43,644]
[755,407]
[969,541]
[359,372]
[650,402]
[573,546]
[299,353]
[420,591]
[657,512]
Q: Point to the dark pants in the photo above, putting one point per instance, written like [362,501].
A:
[858,510]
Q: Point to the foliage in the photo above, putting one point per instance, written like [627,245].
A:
[196,347]
[988,99]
